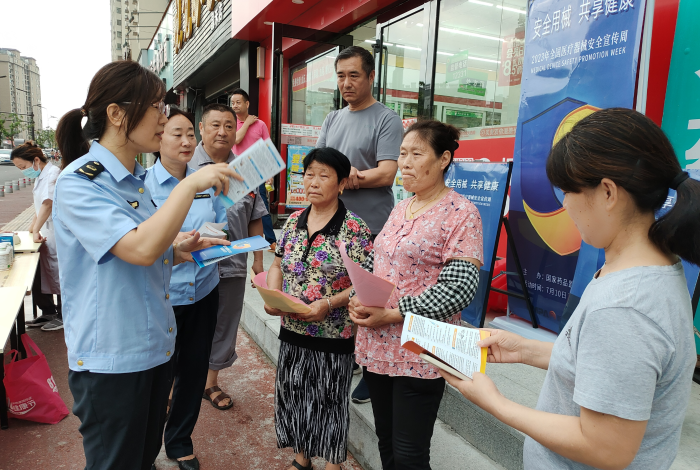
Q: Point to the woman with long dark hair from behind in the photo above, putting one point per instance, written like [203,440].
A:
[29,158]
[115,256]
[619,374]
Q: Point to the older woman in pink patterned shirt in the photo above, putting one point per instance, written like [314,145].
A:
[431,248]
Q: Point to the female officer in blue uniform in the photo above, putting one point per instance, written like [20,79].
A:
[115,255]
[194,291]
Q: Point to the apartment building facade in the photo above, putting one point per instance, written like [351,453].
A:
[133,24]
[20,90]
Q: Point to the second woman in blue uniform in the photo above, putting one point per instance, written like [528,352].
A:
[194,291]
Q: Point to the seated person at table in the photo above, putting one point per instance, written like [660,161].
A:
[314,368]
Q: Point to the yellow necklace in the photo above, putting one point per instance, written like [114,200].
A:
[410,206]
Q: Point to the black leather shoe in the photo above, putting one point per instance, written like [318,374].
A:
[192,464]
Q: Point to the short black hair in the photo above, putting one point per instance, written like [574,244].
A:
[331,157]
[217,107]
[241,91]
[357,51]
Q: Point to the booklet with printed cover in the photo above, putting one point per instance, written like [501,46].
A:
[450,347]
[258,163]
[216,253]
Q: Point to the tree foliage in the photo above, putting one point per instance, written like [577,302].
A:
[10,126]
[46,138]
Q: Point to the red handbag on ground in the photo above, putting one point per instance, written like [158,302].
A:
[31,391]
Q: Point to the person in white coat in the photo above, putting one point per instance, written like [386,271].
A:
[29,158]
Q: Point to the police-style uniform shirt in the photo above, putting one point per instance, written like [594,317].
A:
[250,208]
[117,316]
[189,283]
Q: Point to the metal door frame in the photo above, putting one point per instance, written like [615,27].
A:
[431,18]
[280,31]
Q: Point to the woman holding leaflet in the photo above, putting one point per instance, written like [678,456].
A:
[115,255]
[194,291]
[619,374]
[314,369]
[431,248]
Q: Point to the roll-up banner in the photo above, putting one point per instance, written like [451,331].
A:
[580,56]
[485,185]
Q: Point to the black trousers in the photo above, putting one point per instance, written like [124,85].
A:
[405,410]
[196,324]
[121,416]
[44,301]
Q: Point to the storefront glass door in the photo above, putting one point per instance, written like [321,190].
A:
[400,63]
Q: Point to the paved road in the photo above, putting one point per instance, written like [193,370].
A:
[8,173]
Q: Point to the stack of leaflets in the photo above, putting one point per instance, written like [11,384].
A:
[450,347]
[258,163]
[216,253]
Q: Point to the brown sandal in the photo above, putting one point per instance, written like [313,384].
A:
[220,397]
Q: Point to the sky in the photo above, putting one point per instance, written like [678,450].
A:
[70,40]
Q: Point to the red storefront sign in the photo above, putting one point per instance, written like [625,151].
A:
[510,72]
[299,80]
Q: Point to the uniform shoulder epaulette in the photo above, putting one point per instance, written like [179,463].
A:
[90,169]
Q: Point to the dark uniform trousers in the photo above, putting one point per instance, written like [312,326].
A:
[196,324]
[121,416]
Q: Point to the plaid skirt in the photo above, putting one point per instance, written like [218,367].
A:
[312,402]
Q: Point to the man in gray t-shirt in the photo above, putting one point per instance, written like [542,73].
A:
[626,351]
[369,134]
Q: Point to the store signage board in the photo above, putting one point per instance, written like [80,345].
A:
[457,67]
[296,197]
[486,185]
[300,134]
[579,56]
[188,18]
[510,72]
[681,120]
[474,83]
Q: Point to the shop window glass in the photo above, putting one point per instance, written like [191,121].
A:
[314,83]
[401,65]
[313,89]
[479,66]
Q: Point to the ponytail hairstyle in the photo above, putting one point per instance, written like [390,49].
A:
[125,83]
[630,149]
[440,136]
[28,151]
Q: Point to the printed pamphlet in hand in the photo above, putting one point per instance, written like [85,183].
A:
[212,230]
[216,253]
[371,290]
[275,298]
[258,163]
[450,347]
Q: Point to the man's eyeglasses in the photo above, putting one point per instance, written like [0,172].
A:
[160,106]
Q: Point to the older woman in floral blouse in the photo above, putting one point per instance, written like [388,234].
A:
[314,368]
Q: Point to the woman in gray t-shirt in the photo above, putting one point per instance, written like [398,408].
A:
[619,376]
